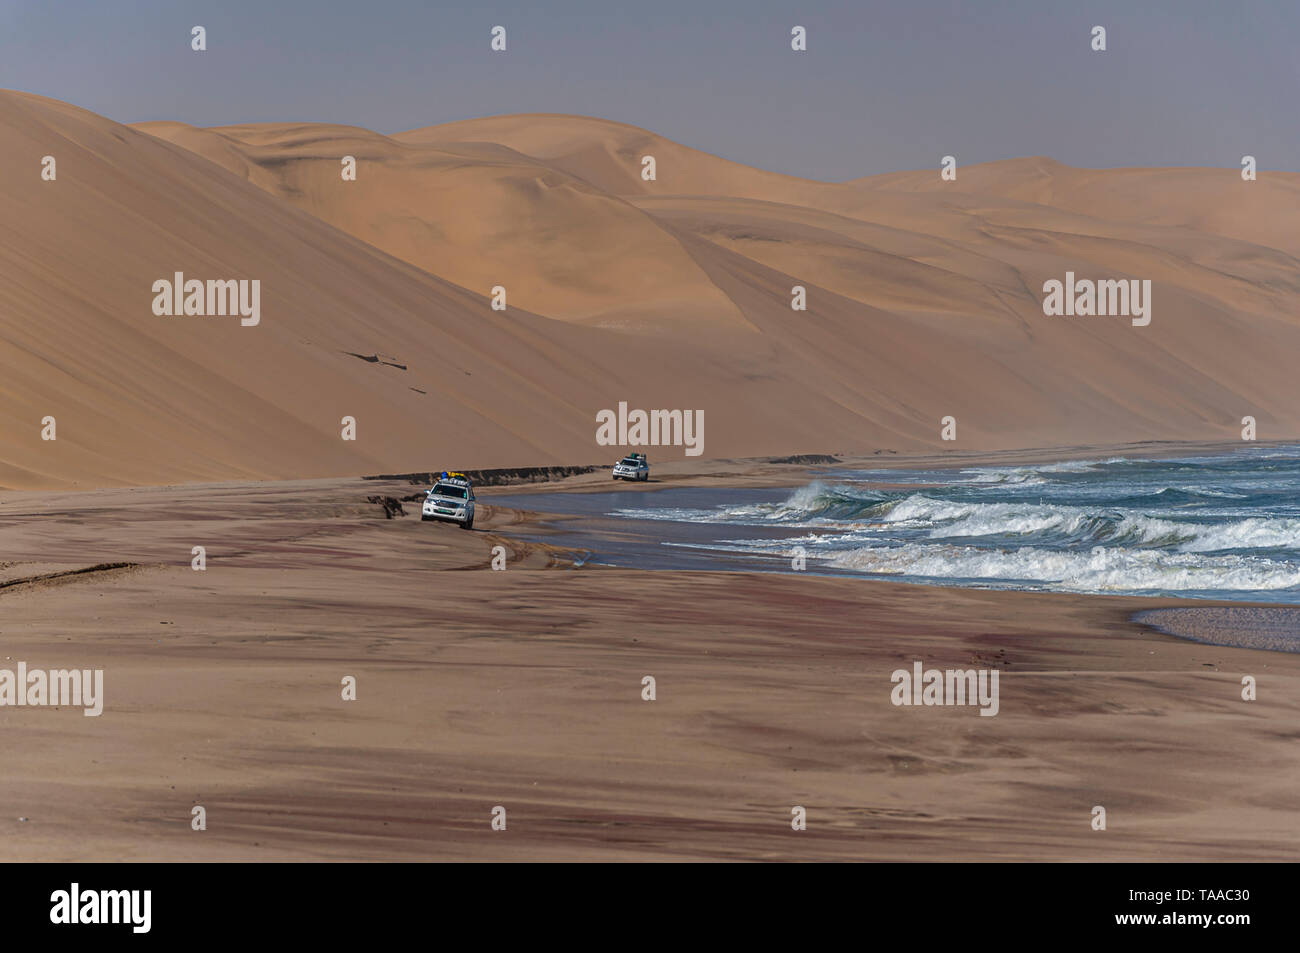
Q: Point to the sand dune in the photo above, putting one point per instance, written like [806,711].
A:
[146,399]
[924,300]
[479,217]
[1223,203]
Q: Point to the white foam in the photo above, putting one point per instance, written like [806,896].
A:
[946,519]
[1102,569]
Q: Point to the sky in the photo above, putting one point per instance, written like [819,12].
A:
[883,86]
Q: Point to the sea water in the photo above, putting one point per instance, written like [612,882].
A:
[1224,527]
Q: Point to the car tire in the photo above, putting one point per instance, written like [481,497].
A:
[468,524]
[426,519]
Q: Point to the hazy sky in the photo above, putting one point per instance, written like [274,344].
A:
[884,85]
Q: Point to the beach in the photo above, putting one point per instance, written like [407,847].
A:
[523,689]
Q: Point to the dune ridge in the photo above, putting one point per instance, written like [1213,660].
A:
[923,300]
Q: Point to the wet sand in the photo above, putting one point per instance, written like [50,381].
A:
[1275,628]
[522,688]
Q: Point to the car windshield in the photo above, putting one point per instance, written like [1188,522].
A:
[450,489]
[631,462]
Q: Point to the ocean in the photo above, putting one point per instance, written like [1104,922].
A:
[1221,527]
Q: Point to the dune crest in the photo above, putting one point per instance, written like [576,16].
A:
[924,301]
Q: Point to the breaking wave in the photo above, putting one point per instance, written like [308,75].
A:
[1101,569]
[1227,525]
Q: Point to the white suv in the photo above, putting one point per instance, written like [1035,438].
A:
[451,499]
[632,467]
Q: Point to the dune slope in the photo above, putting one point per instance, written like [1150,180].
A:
[923,300]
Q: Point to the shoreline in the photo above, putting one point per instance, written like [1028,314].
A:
[765,472]
[757,471]
[1191,619]
[1209,619]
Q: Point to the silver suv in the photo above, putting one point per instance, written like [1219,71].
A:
[451,500]
[632,467]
